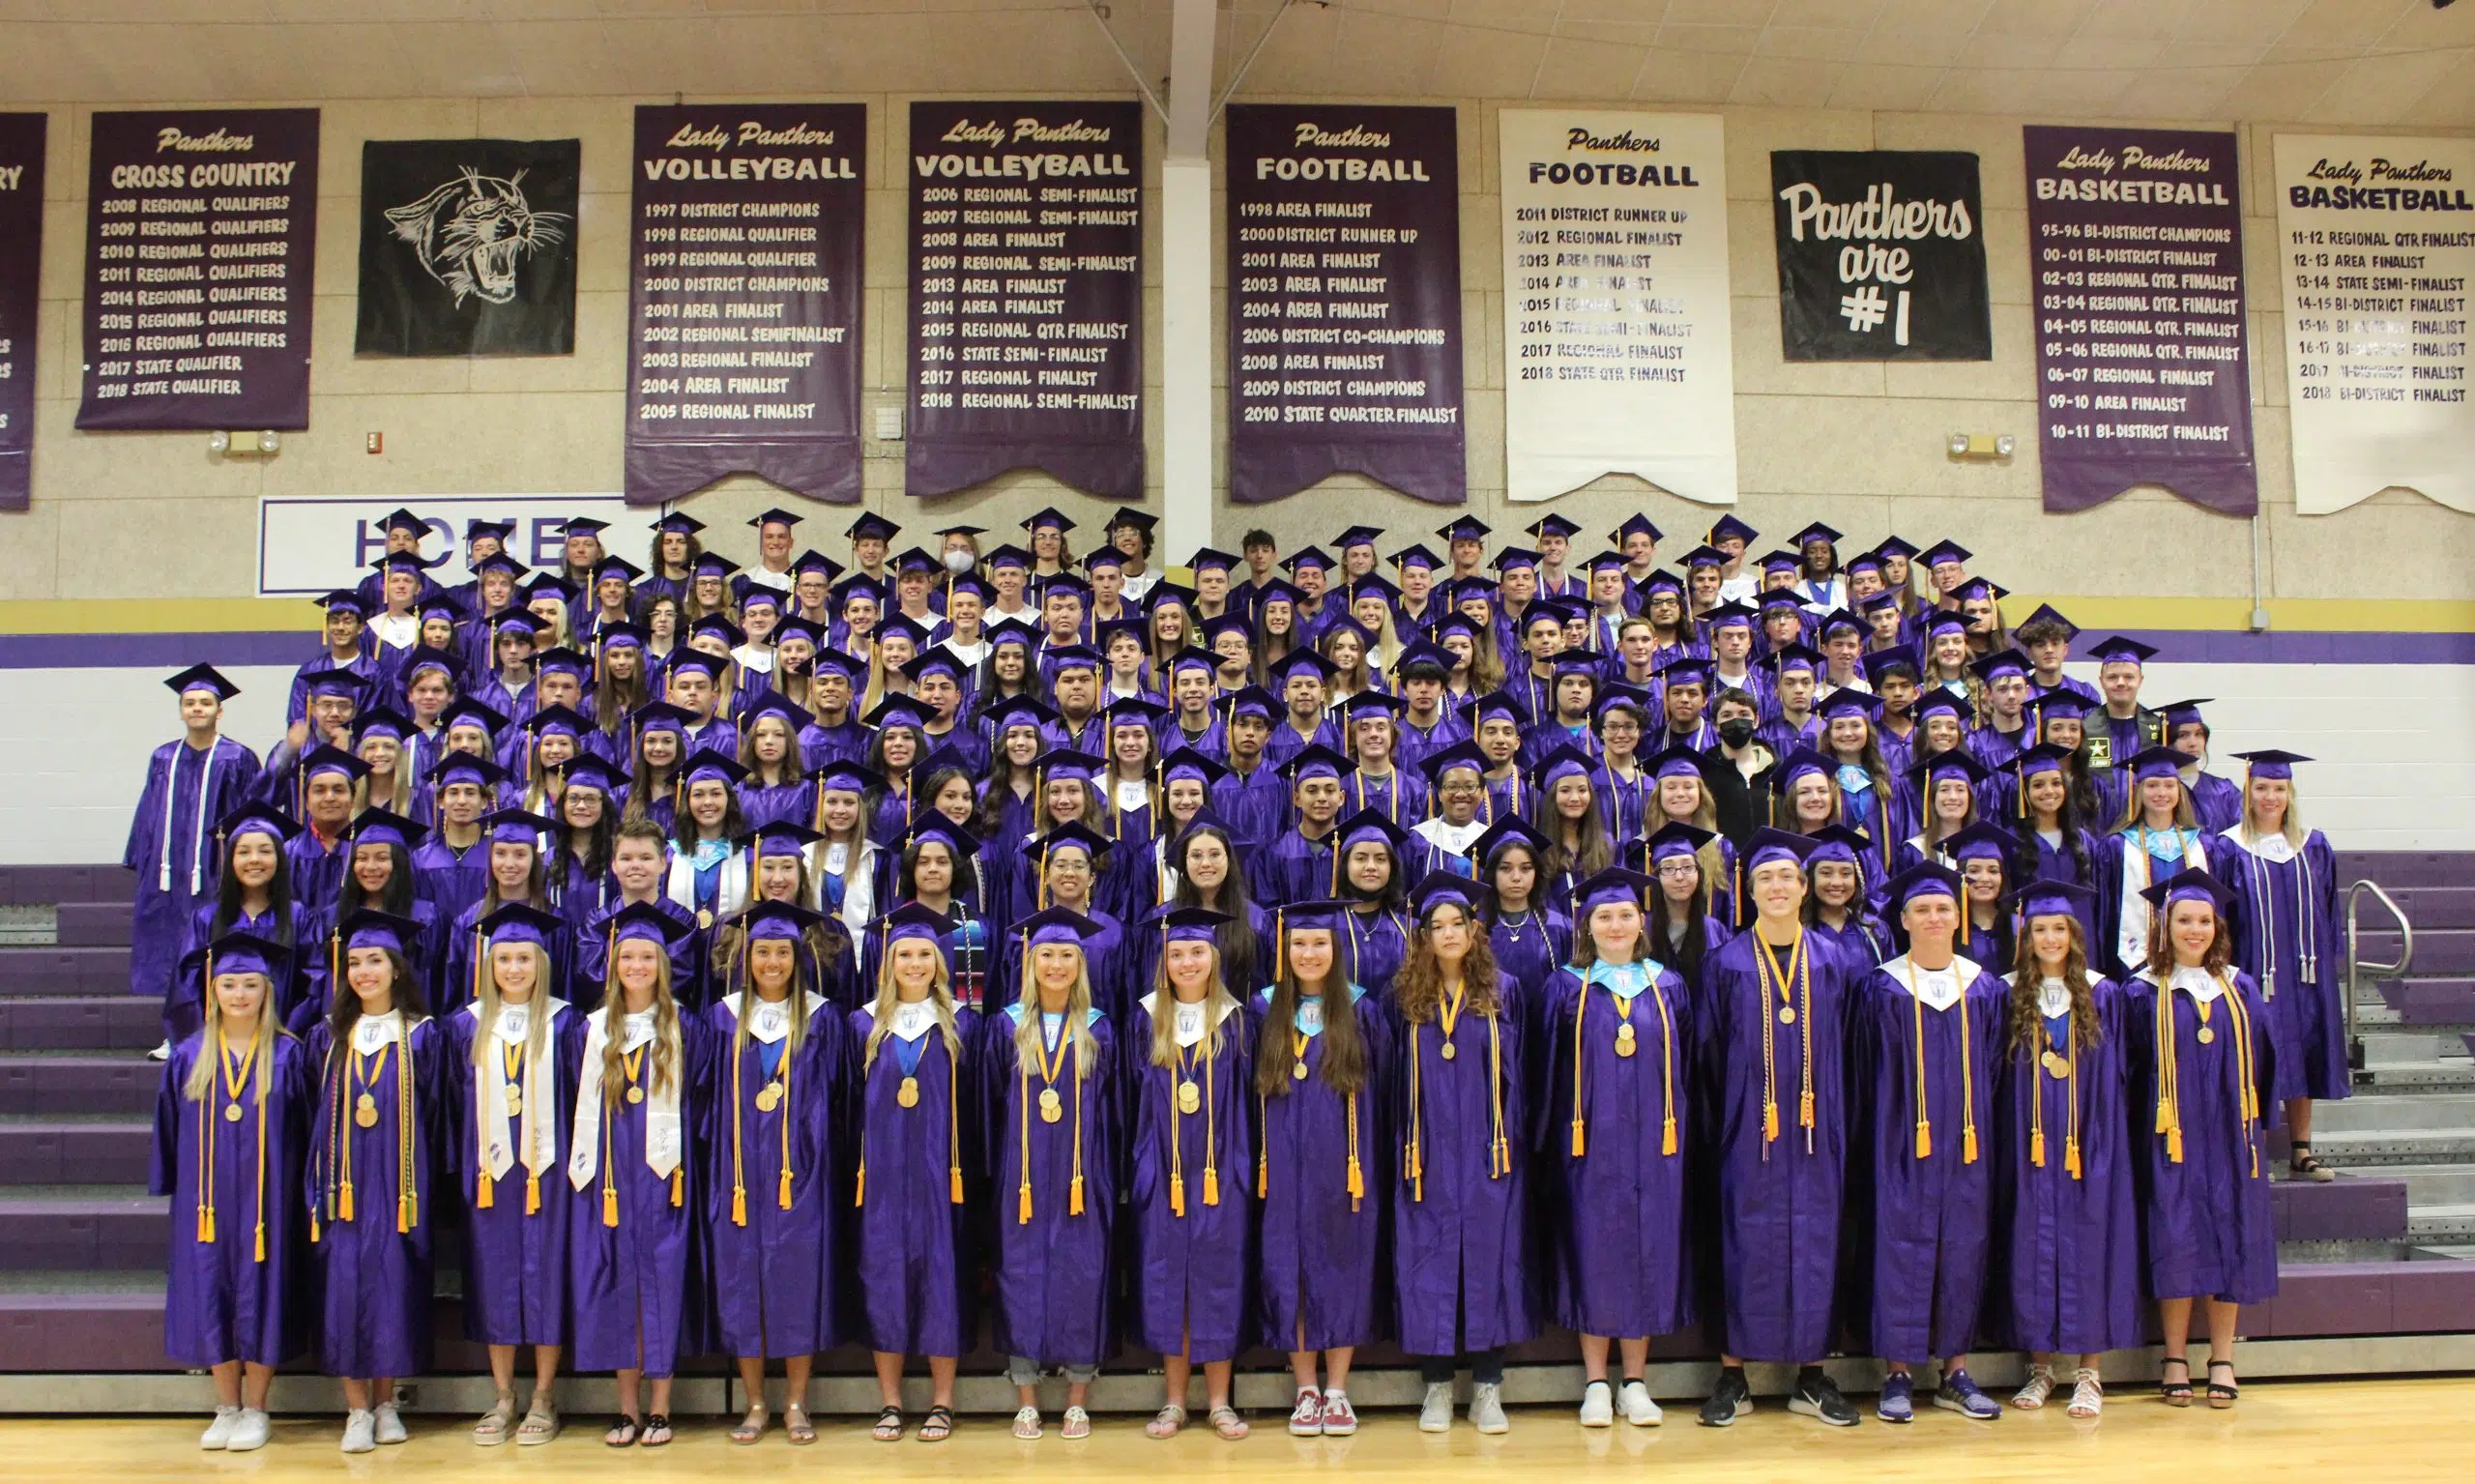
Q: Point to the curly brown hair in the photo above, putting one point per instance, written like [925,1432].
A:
[1417,989]
[2027,1023]
[2161,944]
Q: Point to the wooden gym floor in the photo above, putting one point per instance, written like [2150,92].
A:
[2334,1433]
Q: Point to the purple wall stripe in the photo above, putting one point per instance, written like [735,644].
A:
[172,652]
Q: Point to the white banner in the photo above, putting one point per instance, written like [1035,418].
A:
[1617,355]
[309,547]
[2376,247]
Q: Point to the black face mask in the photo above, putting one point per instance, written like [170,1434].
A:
[1736,730]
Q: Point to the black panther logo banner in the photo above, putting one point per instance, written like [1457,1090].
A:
[468,248]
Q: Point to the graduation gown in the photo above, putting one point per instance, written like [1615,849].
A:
[918,1167]
[373,1268]
[1921,1246]
[1615,1116]
[174,849]
[2128,861]
[185,1010]
[2066,1276]
[2208,1221]
[515,1248]
[1775,1204]
[1532,947]
[449,879]
[221,1300]
[317,869]
[1052,1244]
[1297,869]
[1319,1250]
[1371,946]
[636,1263]
[2287,937]
[1460,1211]
[772,1195]
[1191,1205]
[1255,806]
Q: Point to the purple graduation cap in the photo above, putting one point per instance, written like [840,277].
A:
[205,678]
[2270,763]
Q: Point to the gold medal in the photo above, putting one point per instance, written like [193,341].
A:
[769,1097]
[365,1112]
[635,1094]
[2207,1035]
[1298,1069]
[704,917]
[1625,1039]
[1448,1052]
[1787,1014]
[1052,1106]
[908,1095]
[231,1112]
[1190,1098]
[515,1100]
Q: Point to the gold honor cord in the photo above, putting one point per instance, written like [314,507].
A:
[1968,1075]
[1796,983]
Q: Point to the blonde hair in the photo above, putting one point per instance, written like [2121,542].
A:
[203,1071]
[1030,1044]
[614,1012]
[1217,1003]
[2291,826]
[941,994]
[486,1015]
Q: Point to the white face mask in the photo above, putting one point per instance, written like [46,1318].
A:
[958,561]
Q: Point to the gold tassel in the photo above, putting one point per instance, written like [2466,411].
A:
[1357,1180]
[1770,1120]
[860,1195]
[739,1205]
[1667,1136]
[1580,1140]
[782,1197]
[1967,1145]
[2037,1148]
[485,1198]
[1210,1186]
[1264,1172]
[532,1193]
[1804,1112]
[314,1228]
[1075,1197]
[1177,1195]
[2174,1143]
[262,1239]
[206,1224]
[1022,1205]
[343,1202]
[2070,1156]
[678,1186]
[955,1181]
[610,1204]
[1924,1139]
[2163,1119]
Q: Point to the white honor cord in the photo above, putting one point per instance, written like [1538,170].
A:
[171,803]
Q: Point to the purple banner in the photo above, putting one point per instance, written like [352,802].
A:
[1344,300]
[22,145]
[1027,295]
[744,350]
[2136,247]
[201,230]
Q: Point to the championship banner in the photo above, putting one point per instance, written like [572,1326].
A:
[22,145]
[201,234]
[1882,256]
[1026,243]
[2375,248]
[1617,348]
[2136,258]
[745,247]
[468,248]
[1344,300]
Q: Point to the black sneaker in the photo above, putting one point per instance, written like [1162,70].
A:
[1730,1399]
[1816,1397]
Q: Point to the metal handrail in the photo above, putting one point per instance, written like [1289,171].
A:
[2355,966]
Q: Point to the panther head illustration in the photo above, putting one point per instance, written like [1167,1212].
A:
[470,232]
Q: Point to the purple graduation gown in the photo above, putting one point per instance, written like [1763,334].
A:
[2066,1249]
[221,1303]
[637,1289]
[776,1269]
[1775,1204]
[178,868]
[374,1282]
[1371,946]
[914,1241]
[1255,806]
[515,1259]
[1620,1259]
[1921,1244]
[1460,1212]
[2210,1224]
[1053,1277]
[1188,1288]
[1532,946]
[2287,937]
[1319,1252]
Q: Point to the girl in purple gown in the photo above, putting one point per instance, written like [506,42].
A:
[2066,1254]
[1049,1085]
[512,1056]
[1529,939]
[1322,1155]
[771,1125]
[919,1165]
[1677,925]
[1461,1269]
[632,1248]
[229,1121]
[1615,1058]
[2202,1061]
[1190,1139]
[252,895]
[375,1148]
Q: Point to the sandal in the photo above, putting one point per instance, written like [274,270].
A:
[2304,1165]
[797,1426]
[2175,1393]
[1167,1422]
[657,1431]
[540,1423]
[1026,1424]
[2087,1393]
[2222,1397]
[1078,1424]
[938,1425]
[888,1427]
[2039,1385]
[751,1427]
[1228,1424]
[492,1428]
[624,1433]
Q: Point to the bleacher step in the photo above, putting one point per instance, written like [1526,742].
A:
[52,1149]
[73,1083]
[79,1022]
[81,1227]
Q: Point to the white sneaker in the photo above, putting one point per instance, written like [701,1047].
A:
[1434,1414]
[1487,1407]
[162,1053]
[219,1432]
[250,1433]
[391,1427]
[360,1432]
[1599,1405]
[1639,1408]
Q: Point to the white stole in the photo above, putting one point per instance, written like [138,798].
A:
[662,1121]
[537,1132]
[2131,937]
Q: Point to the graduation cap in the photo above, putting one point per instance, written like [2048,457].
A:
[1128,516]
[963,531]
[1193,659]
[900,626]
[917,560]
[563,719]
[1367,705]
[1798,765]
[1319,916]
[2043,758]
[1107,632]
[1890,546]
[1306,556]
[1863,562]
[2001,662]
[811,560]
[1945,621]
[1980,590]
[797,627]
[645,922]
[1513,558]
[1369,827]
[1073,836]
[1465,528]
[1512,830]
[1286,668]
[335,681]
[1610,887]
[1206,559]
[1136,712]
[591,772]
[713,563]
[661,717]
[1565,762]
[1839,843]
[2056,899]
[583,525]
[1474,590]
[1073,656]
[480,526]
[783,837]
[871,525]
[384,826]
[1943,552]
[842,775]
[2271,762]
[1838,620]
[1636,525]
[2157,763]
[245,953]
[405,520]
[325,758]
[772,702]
[720,628]
[756,594]
[782,921]
[1554,525]
[1007,556]
[2047,613]
[1734,612]
[616,567]
[1373,586]
[1934,699]
[1418,655]
[1443,889]
[1983,841]
[404,562]
[1414,554]
[499,562]
[678,523]
[898,711]
[1687,671]
[521,922]
[1926,878]
[1048,517]
[1188,763]
[912,922]
[1849,701]
[1189,924]
[2191,884]
[1315,761]
[1676,839]
[934,660]
[370,928]
[2183,713]
[544,584]
[1728,525]
[453,767]
[1876,603]
[1607,562]
[1492,706]
[711,666]
[1956,762]
[1789,656]
[1704,556]
[202,678]
[343,600]
[1055,926]
[1461,754]
[515,827]
[1781,561]
[1063,585]
[1881,663]
[1023,711]
[1675,761]
[1817,532]
[1253,701]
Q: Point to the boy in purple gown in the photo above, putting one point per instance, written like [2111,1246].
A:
[191,784]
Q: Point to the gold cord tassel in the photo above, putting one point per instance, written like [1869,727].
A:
[1924,1138]
[1177,1195]
[1210,1186]
[343,1201]
[2070,1156]
[1769,1119]
[1074,1196]
[261,1253]
[2037,1148]
[485,1198]
[1967,1145]
[738,1205]
[1667,1135]
[609,1204]
[782,1197]
[860,1193]
[206,1224]
[955,1182]
[532,1193]
[678,1186]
